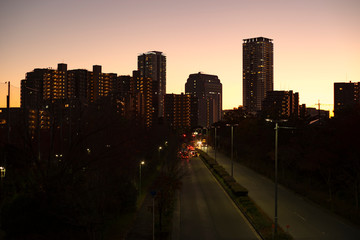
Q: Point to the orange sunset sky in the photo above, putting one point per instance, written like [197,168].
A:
[316,42]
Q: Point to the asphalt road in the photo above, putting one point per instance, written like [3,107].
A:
[205,211]
[305,219]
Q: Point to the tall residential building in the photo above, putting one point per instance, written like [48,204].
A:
[77,84]
[281,104]
[257,71]
[152,65]
[100,84]
[346,95]
[208,91]
[177,111]
[142,99]
[32,89]
[55,84]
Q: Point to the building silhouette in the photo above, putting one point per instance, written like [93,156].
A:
[152,66]
[100,84]
[178,111]
[257,72]
[32,88]
[346,95]
[77,84]
[57,92]
[141,100]
[139,97]
[281,104]
[207,93]
[55,84]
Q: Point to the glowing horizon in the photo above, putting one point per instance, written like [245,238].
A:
[315,42]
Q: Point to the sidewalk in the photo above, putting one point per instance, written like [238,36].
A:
[304,219]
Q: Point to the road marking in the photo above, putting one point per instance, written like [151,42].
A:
[300,216]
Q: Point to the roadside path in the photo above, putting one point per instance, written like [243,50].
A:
[305,219]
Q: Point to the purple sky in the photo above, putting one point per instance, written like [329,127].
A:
[316,42]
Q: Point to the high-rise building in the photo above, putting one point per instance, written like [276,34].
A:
[55,84]
[281,104]
[177,111]
[257,71]
[208,91]
[142,97]
[346,95]
[32,89]
[77,84]
[152,65]
[100,84]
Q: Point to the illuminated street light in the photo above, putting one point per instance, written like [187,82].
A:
[2,172]
[141,163]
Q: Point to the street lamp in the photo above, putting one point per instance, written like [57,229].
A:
[276,169]
[2,172]
[215,140]
[141,163]
[232,147]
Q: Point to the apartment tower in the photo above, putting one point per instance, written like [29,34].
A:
[258,77]
[152,65]
[207,92]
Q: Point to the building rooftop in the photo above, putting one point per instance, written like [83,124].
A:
[258,39]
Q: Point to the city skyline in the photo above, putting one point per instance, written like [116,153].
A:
[315,42]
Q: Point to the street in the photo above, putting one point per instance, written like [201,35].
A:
[305,219]
[205,211]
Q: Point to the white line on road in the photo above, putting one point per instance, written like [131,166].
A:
[300,216]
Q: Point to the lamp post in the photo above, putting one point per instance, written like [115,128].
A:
[141,163]
[215,143]
[232,147]
[215,139]
[276,169]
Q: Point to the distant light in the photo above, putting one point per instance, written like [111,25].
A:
[88,150]
[142,162]
[160,148]
[2,171]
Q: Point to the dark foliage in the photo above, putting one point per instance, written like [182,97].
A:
[84,178]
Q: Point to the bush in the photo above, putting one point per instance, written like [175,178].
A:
[228,180]
[238,190]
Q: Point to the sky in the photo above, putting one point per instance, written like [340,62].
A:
[316,42]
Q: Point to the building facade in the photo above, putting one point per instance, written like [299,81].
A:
[152,66]
[281,104]
[257,72]
[177,111]
[207,89]
[346,95]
